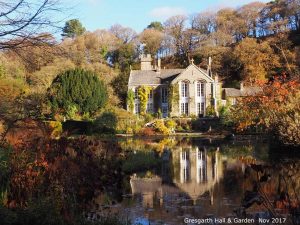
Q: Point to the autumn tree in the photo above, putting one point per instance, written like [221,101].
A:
[151,39]
[276,110]
[255,60]
[16,103]
[174,28]
[34,57]
[125,34]
[286,53]
[251,15]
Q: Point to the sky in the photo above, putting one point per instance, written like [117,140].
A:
[137,14]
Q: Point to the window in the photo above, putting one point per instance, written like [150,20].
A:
[150,95]
[200,155]
[184,89]
[200,89]
[164,95]
[200,108]
[233,101]
[137,108]
[184,108]
[164,109]
[150,107]
[136,93]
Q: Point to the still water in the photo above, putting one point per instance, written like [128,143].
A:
[169,180]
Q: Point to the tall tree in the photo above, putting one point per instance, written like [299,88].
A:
[125,34]
[152,40]
[256,60]
[78,89]
[174,28]
[156,26]
[250,13]
[73,28]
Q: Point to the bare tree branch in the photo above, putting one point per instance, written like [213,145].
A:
[21,21]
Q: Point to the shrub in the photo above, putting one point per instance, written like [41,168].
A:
[171,124]
[126,121]
[148,118]
[210,111]
[147,131]
[78,88]
[106,123]
[160,127]
[180,129]
[72,112]
[159,114]
[56,128]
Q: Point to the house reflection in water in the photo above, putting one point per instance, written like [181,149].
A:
[149,188]
[194,172]
[199,171]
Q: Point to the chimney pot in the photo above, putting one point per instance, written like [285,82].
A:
[159,64]
[209,67]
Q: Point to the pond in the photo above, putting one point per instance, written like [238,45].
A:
[170,180]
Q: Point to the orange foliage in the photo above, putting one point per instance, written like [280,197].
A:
[274,109]
[62,167]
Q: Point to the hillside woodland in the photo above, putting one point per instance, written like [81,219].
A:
[255,44]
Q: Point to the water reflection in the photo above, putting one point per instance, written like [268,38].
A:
[195,178]
[199,171]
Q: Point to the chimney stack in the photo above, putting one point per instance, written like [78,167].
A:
[146,61]
[159,64]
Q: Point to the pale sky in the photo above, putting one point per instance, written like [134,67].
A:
[137,14]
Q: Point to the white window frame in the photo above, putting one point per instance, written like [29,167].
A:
[184,89]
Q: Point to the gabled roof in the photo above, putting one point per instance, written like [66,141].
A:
[203,72]
[151,77]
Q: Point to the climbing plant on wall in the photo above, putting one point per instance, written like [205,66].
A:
[143,94]
[130,100]
[173,98]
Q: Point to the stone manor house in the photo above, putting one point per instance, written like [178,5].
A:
[196,89]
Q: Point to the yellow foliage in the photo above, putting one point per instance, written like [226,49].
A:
[55,128]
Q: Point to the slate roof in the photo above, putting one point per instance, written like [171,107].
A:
[251,91]
[232,92]
[151,77]
[246,91]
